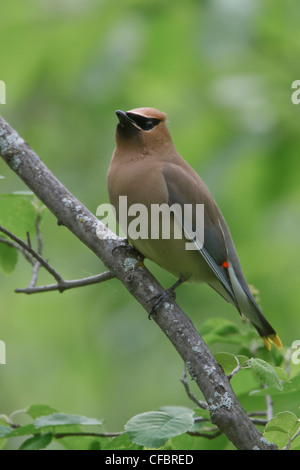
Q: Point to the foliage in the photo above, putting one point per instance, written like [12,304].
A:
[170,426]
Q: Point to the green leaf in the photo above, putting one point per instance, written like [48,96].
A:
[23,431]
[284,421]
[203,413]
[62,419]
[39,441]
[18,214]
[265,373]
[242,359]
[8,258]
[221,330]
[176,410]
[121,442]
[35,411]
[282,374]
[281,428]
[291,388]
[227,361]
[4,431]
[154,428]
[218,326]
[83,442]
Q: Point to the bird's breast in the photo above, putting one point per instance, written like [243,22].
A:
[144,188]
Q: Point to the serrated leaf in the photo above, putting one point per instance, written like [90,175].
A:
[281,428]
[62,419]
[281,374]
[176,410]
[227,361]
[154,428]
[40,441]
[284,421]
[277,437]
[265,373]
[291,387]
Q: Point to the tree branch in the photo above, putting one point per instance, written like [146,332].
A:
[225,410]
[64,284]
[26,247]
[36,260]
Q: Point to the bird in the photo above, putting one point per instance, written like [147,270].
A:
[147,169]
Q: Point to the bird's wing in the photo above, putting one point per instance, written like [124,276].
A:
[185,187]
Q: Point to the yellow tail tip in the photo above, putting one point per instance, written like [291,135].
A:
[272,339]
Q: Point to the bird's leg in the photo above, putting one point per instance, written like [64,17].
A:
[161,298]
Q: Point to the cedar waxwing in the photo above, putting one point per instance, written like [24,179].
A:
[147,169]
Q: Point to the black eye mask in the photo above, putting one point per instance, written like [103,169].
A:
[144,122]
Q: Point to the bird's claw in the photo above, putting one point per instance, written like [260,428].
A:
[159,300]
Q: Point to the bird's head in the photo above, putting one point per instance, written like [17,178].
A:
[142,127]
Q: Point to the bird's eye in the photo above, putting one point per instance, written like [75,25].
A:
[143,122]
[149,125]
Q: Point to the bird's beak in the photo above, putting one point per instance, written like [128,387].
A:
[125,120]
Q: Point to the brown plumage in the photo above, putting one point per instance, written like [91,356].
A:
[147,168]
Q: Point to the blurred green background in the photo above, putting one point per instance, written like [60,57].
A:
[222,71]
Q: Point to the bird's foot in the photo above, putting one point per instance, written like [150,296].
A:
[160,299]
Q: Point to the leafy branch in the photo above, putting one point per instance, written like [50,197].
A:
[224,409]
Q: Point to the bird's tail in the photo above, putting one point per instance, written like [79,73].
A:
[263,327]
[247,305]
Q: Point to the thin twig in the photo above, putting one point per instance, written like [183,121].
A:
[291,440]
[91,434]
[33,253]
[64,284]
[10,243]
[269,407]
[238,368]
[11,424]
[257,413]
[38,233]
[213,433]
[259,422]
[37,264]
[199,403]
